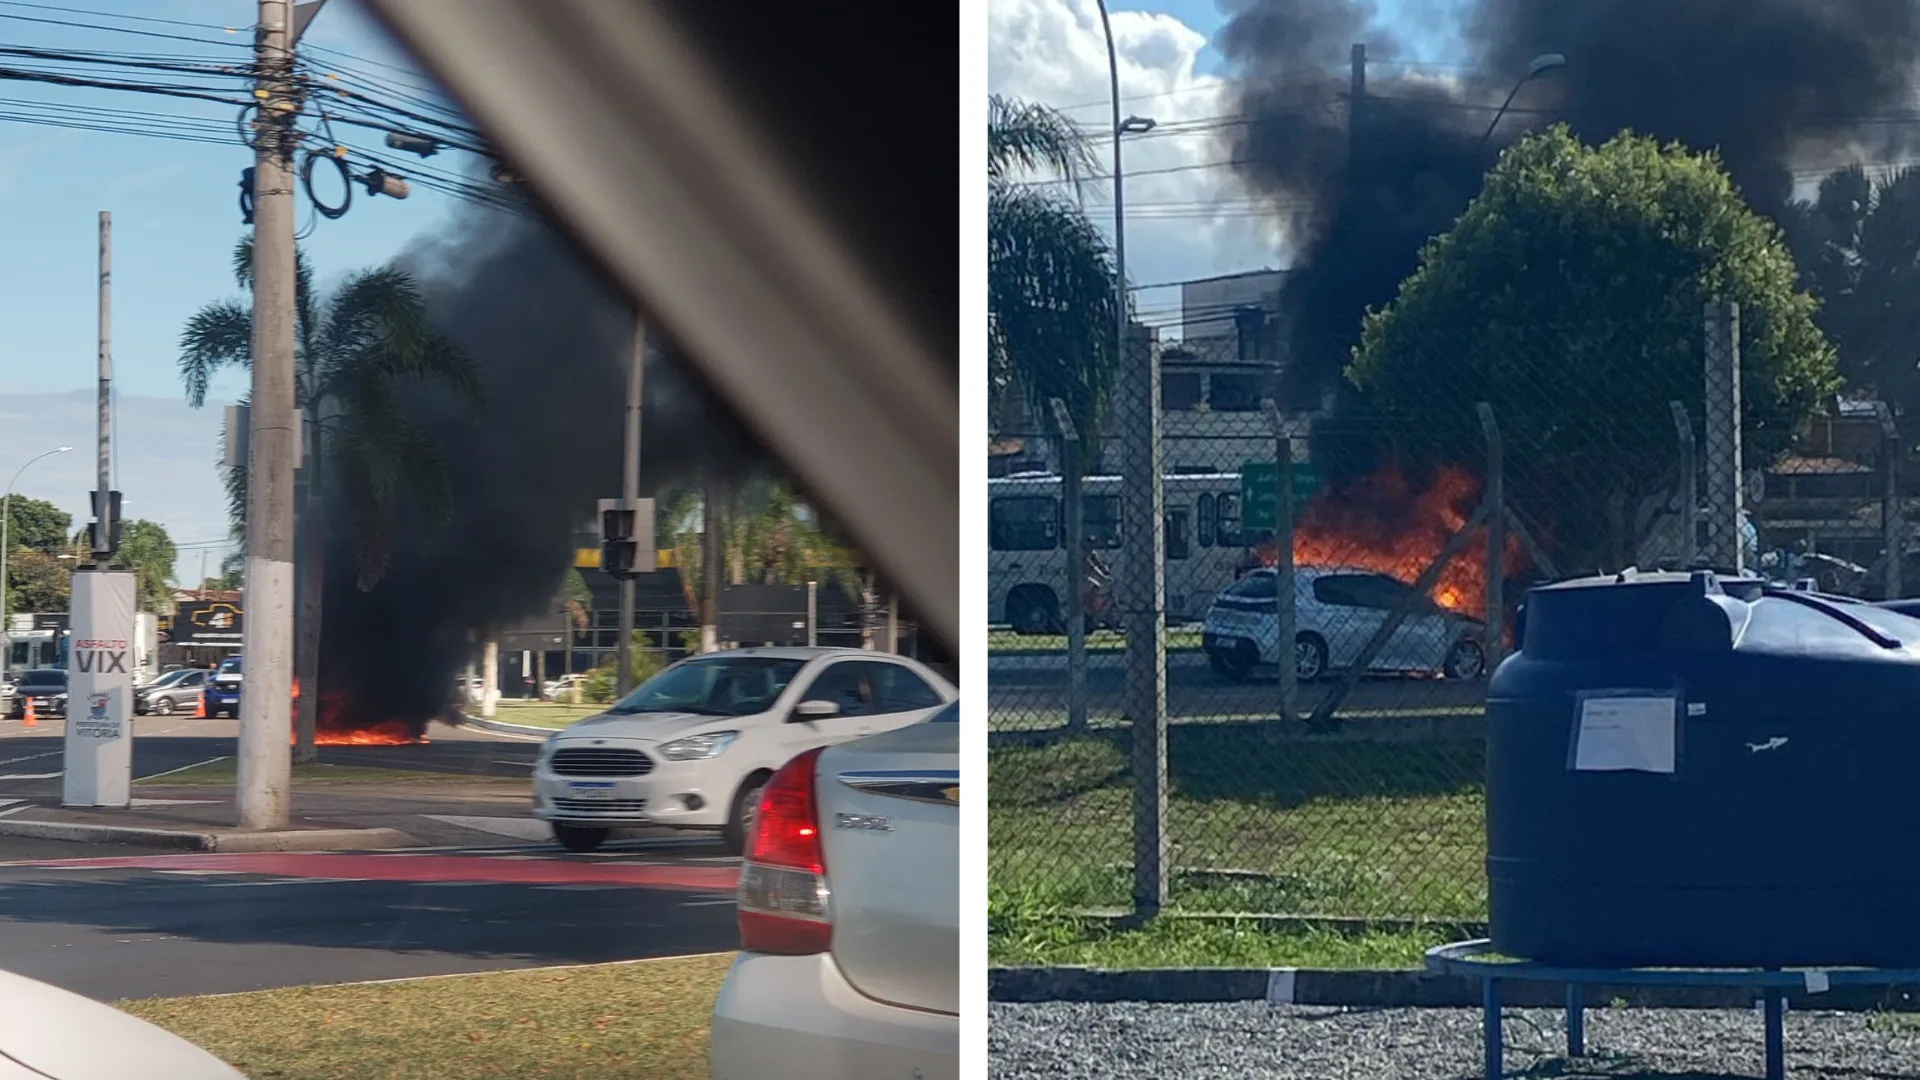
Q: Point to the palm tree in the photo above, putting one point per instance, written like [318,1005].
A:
[356,351]
[1857,246]
[768,536]
[1050,274]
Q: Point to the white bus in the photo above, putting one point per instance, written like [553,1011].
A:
[1027,559]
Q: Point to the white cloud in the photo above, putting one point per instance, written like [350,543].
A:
[1186,215]
[165,450]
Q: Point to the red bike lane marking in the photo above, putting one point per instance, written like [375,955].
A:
[423,868]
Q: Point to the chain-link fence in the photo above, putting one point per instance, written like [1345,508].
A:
[1336,582]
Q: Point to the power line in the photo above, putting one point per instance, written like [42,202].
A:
[109,29]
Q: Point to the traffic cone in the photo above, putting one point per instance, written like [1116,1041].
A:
[200,706]
[29,720]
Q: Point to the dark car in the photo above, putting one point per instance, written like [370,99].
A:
[46,688]
[176,691]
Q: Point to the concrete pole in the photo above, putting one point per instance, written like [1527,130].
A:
[489,677]
[1143,579]
[1286,603]
[1689,486]
[103,540]
[712,554]
[1726,478]
[266,706]
[1073,537]
[1892,514]
[813,613]
[1496,567]
[630,497]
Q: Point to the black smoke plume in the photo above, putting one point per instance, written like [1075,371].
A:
[551,339]
[1773,85]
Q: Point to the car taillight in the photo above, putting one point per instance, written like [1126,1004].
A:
[784,903]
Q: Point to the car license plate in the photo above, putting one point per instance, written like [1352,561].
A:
[584,790]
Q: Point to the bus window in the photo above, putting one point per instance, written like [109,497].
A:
[1100,521]
[1226,531]
[1177,532]
[1023,523]
[1203,521]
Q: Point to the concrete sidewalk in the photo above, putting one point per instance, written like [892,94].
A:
[324,817]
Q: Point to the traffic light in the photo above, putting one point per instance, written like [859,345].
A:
[626,530]
[113,515]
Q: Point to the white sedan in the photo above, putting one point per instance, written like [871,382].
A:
[849,917]
[692,747]
[1336,612]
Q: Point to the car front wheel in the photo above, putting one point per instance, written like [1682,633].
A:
[161,707]
[746,802]
[1466,661]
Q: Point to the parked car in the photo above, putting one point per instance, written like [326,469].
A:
[46,688]
[178,690]
[555,689]
[849,934]
[55,1034]
[223,688]
[1336,612]
[692,746]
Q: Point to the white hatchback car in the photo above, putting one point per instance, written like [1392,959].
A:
[850,917]
[692,747]
[1336,612]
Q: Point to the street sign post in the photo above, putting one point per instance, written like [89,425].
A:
[97,769]
[1258,480]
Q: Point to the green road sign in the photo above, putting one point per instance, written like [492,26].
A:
[1257,481]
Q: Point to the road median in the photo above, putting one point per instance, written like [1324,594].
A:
[180,839]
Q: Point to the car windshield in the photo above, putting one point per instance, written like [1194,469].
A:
[168,679]
[230,666]
[44,678]
[731,686]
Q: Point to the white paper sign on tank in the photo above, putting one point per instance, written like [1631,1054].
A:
[99,744]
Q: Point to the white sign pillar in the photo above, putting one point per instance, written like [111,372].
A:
[98,766]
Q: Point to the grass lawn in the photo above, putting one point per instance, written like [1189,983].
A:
[1014,940]
[1098,641]
[647,1018]
[553,714]
[221,772]
[1358,829]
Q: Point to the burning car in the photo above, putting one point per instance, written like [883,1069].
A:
[1337,611]
[694,745]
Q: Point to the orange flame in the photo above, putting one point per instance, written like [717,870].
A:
[331,730]
[1380,523]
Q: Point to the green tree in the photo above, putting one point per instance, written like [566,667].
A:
[1569,295]
[147,550]
[1857,244]
[37,581]
[356,352]
[771,537]
[1050,274]
[37,524]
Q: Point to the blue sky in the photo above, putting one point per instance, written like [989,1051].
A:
[175,221]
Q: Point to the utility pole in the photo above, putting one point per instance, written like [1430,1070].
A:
[266,706]
[103,499]
[712,554]
[630,497]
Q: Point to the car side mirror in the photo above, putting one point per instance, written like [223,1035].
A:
[815,710]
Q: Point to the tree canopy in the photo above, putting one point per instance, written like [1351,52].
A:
[1857,244]
[147,550]
[37,524]
[1569,295]
[37,581]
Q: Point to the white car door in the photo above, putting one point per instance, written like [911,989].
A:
[901,697]
[1418,644]
[846,685]
[1342,616]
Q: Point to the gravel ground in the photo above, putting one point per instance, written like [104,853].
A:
[1255,1041]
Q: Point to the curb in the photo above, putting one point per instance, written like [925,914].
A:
[1385,989]
[182,840]
[503,728]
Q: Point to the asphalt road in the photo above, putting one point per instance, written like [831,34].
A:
[124,925]
[111,921]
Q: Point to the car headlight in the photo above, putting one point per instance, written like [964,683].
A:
[698,747]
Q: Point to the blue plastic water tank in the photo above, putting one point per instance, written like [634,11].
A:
[1692,771]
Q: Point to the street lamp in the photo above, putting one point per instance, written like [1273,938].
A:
[6,547]
[1536,67]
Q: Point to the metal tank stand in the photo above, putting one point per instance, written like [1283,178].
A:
[1477,960]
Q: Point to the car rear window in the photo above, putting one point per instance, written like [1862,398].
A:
[948,715]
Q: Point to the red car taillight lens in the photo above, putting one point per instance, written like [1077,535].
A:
[784,902]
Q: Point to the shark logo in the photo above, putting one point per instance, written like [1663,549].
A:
[1774,743]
